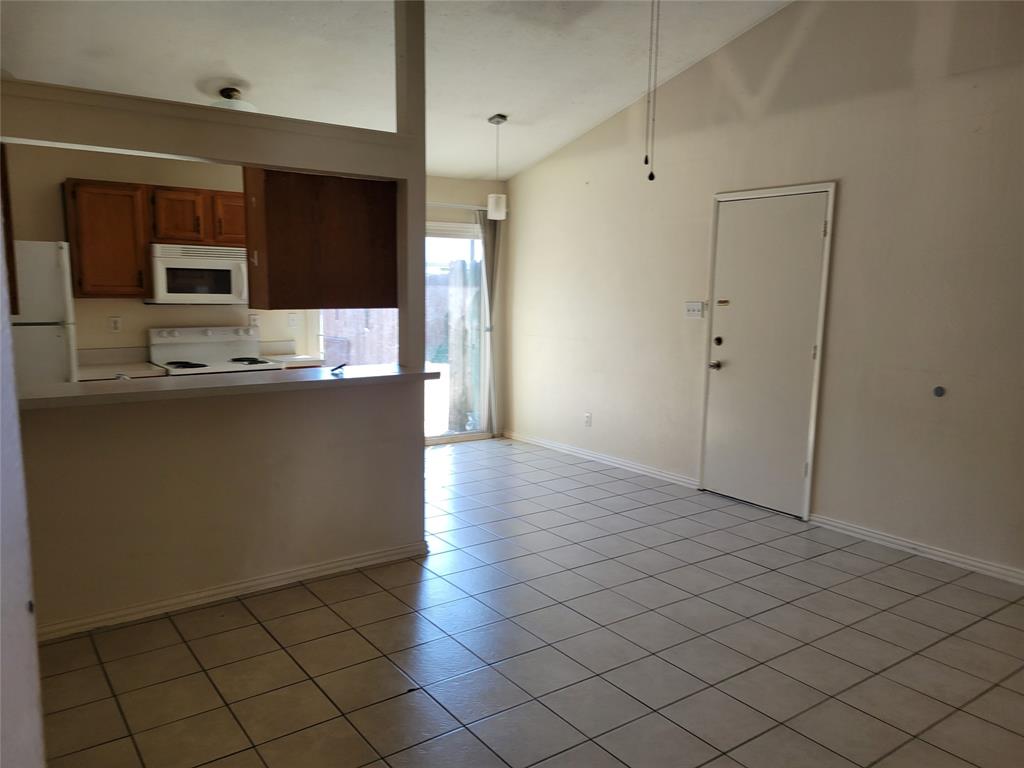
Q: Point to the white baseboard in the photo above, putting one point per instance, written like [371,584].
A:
[233,589]
[614,461]
[1000,571]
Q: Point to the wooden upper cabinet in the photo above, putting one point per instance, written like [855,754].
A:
[228,218]
[320,242]
[108,227]
[181,215]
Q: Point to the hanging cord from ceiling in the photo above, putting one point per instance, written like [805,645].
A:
[650,118]
[497,120]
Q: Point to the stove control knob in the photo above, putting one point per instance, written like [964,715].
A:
[174,334]
[239,331]
[208,332]
[162,334]
[248,331]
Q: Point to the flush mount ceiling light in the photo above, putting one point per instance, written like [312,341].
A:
[497,205]
[231,98]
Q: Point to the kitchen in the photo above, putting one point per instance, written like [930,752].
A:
[183,429]
[112,328]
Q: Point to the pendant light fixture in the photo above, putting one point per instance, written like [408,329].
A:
[497,205]
[231,98]
[650,118]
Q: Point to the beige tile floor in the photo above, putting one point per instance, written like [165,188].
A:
[569,615]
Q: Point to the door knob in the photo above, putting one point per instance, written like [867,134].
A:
[715,365]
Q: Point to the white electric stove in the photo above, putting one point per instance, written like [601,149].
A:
[185,351]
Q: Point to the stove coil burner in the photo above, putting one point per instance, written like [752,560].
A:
[184,364]
[248,360]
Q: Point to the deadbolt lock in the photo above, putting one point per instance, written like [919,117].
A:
[715,365]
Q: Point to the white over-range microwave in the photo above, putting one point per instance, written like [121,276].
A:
[199,274]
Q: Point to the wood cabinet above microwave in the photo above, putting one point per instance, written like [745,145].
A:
[201,216]
[111,225]
[320,242]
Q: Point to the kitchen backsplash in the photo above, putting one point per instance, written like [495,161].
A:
[93,318]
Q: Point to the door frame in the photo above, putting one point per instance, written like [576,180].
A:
[828,187]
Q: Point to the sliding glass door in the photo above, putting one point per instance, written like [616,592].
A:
[455,403]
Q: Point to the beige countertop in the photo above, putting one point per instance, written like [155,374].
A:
[214,385]
[133,370]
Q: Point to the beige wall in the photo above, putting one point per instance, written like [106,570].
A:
[168,502]
[917,110]
[441,189]
[37,212]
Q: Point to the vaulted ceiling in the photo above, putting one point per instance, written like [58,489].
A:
[556,68]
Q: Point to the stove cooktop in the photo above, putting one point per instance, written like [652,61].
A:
[184,351]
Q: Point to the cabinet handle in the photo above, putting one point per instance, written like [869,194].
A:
[197,224]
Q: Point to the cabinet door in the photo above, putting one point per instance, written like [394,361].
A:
[228,218]
[108,229]
[321,242]
[180,215]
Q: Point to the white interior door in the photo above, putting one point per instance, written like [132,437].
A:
[770,265]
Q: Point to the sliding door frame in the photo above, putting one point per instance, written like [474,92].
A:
[463,231]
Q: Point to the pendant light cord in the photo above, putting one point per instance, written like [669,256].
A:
[655,49]
[650,72]
[497,148]
[650,119]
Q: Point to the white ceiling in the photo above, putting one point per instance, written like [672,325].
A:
[556,68]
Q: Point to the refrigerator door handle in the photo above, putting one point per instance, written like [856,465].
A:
[69,329]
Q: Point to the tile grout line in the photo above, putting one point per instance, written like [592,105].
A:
[646,609]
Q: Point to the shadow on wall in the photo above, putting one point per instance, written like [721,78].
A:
[556,16]
[830,54]
[986,36]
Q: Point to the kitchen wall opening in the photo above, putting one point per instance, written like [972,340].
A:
[171,255]
[454,405]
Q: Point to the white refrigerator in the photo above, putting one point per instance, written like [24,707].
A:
[44,328]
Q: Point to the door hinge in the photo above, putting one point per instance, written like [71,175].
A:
[814,352]
[806,466]
[824,229]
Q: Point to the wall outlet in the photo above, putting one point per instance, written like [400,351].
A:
[293,320]
[114,324]
[588,419]
[694,310]
[254,321]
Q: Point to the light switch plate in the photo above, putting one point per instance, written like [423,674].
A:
[694,309]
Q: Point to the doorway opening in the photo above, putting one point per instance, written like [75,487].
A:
[455,404]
